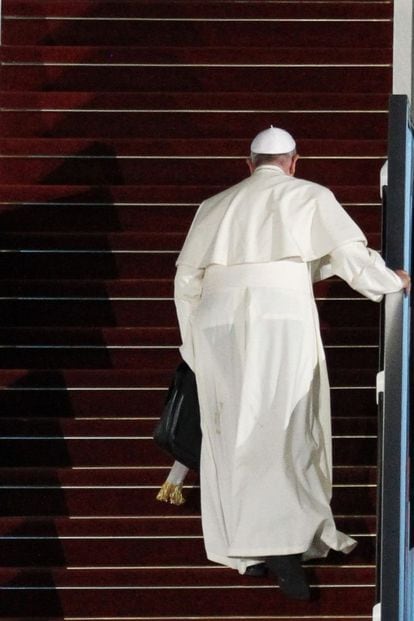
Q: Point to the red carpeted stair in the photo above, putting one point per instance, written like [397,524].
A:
[117,119]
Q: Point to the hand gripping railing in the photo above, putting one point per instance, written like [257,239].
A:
[395,555]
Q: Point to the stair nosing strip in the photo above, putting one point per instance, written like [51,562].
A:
[163,204]
[146,347]
[155,487]
[127,388]
[195,111]
[61,156]
[197,19]
[8,63]
[146,438]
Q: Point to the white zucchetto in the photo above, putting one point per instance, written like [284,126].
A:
[273,141]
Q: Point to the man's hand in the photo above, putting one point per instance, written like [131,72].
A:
[405,277]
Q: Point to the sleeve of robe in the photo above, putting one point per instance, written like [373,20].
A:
[364,270]
[345,251]
[188,285]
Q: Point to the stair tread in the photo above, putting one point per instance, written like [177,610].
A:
[127,503]
[136,147]
[194,56]
[104,289]
[103,312]
[106,219]
[140,428]
[226,78]
[237,126]
[104,404]
[189,100]
[132,171]
[137,240]
[87,194]
[128,378]
[126,241]
[148,476]
[198,9]
[208,575]
[370,29]
[218,604]
[131,357]
[131,287]
[149,336]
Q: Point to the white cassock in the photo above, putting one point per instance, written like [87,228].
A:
[250,331]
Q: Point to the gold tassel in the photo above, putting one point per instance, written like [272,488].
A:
[171,493]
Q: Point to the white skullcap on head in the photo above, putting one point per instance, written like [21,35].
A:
[273,141]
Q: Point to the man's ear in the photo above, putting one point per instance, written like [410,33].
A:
[292,166]
[250,165]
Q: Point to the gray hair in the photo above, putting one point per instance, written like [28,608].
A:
[259,159]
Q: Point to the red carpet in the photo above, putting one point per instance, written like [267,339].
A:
[118,118]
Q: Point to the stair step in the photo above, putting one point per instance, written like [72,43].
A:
[106,289]
[152,477]
[94,336]
[77,264]
[334,313]
[154,336]
[106,219]
[179,525]
[207,575]
[197,9]
[207,604]
[145,312]
[101,265]
[100,357]
[133,194]
[132,171]
[54,433]
[161,241]
[126,501]
[238,32]
[138,429]
[176,56]
[72,77]
[175,125]
[133,357]
[43,401]
[92,312]
[179,148]
[104,216]
[121,379]
[60,452]
[181,617]
[130,288]
[176,101]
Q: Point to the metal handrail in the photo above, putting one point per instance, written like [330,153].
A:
[395,570]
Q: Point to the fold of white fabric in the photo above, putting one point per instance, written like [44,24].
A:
[265,415]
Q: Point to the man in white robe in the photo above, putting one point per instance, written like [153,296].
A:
[250,331]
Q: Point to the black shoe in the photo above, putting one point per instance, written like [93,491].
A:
[258,571]
[291,575]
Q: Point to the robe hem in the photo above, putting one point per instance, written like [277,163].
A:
[266,552]
[311,550]
[240,564]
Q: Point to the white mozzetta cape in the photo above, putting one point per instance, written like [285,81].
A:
[268,217]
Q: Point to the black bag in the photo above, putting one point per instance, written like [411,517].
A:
[178,431]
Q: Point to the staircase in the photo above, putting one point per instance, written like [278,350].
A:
[118,118]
